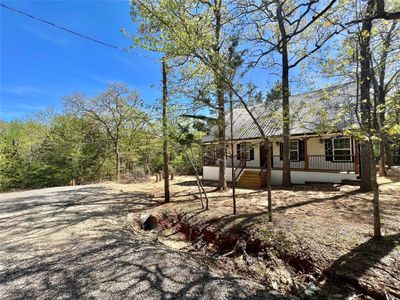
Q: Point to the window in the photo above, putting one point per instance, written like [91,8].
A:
[328,150]
[250,152]
[245,150]
[341,149]
[294,150]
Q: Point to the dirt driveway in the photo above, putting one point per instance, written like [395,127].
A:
[70,242]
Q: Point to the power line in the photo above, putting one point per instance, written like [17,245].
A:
[74,32]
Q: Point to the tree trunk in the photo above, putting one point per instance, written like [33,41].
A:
[222,185]
[117,163]
[380,87]
[375,199]
[233,173]
[368,163]
[219,86]
[267,145]
[365,102]
[382,166]
[286,178]
[389,156]
[165,133]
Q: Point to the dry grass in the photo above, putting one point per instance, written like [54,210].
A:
[331,223]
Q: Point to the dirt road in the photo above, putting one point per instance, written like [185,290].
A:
[70,242]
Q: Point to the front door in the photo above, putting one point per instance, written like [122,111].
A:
[263,155]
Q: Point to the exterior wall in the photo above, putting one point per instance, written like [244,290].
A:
[313,146]
[298,177]
[316,149]
[278,163]
[301,177]
[250,163]
[212,173]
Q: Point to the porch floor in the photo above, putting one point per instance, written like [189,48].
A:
[299,169]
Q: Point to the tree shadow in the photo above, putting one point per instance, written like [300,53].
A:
[316,201]
[366,258]
[111,263]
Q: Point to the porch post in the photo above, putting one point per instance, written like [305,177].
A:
[305,154]
[356,158]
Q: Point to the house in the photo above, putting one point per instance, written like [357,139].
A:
[320,151]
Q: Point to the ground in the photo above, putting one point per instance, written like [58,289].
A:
[72,242]
[75,242]
[320,230]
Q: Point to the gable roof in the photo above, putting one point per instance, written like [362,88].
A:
[316,111]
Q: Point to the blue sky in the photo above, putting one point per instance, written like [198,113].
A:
[40,64]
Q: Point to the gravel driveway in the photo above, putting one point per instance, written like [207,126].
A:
[69,242]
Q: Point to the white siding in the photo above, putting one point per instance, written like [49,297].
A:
[298,177]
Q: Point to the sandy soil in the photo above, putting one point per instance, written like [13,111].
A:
[74,243]
[80,242]
[329,224]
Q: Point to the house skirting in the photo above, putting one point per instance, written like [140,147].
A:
[297,176]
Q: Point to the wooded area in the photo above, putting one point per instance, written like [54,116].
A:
[211,51]
[108,137]
[279,36]
[270,151]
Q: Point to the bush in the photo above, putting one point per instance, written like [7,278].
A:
[136,174]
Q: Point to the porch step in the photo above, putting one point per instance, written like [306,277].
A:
[251,180]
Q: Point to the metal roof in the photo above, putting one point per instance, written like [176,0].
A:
[311,112]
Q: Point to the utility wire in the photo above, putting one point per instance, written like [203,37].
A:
[74,32]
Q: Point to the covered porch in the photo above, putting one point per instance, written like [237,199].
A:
[330,158]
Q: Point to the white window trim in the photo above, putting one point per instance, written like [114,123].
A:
[350,149]
[298,150]
[249,145]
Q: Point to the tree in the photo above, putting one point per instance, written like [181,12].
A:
[192,32]
[184,31]
[283,28]
[368,179]
[385,70]
[116,110]
[275,92]
[165,131]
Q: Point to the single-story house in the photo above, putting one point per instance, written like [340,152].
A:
[319,149]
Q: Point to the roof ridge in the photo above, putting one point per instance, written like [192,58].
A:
[325,88]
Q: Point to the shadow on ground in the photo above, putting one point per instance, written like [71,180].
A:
[360,261]
[70,243]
